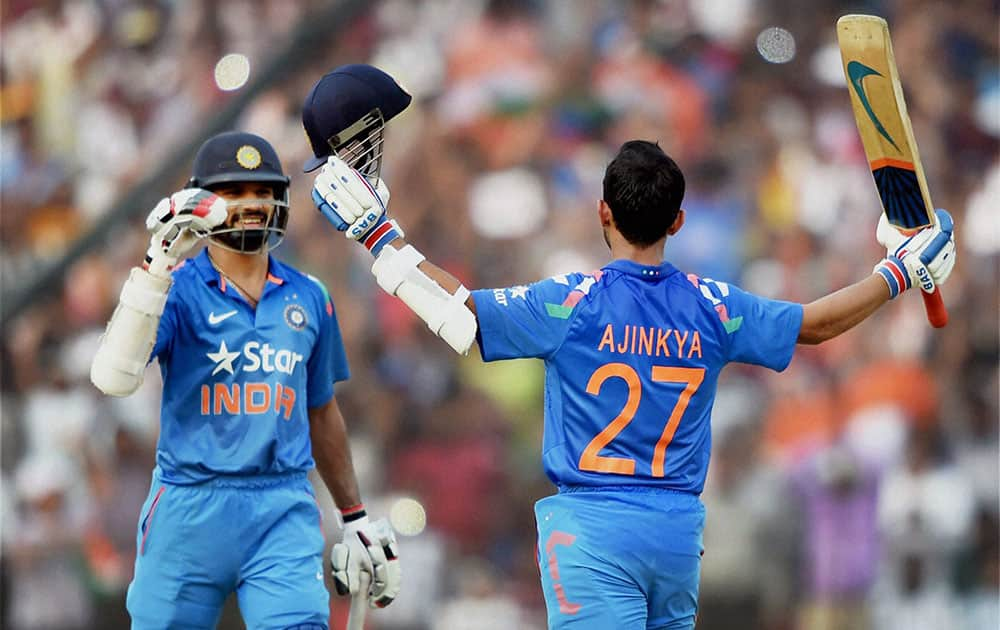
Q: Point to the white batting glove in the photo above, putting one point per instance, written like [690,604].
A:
[353,206]
[925,259]
[368,547]
[178,222]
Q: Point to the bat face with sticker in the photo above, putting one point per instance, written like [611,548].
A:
[887,135]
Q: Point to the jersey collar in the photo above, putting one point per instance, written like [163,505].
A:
[276,272]
[647,272]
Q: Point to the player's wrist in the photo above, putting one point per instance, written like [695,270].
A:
[895,274]
[354,517]
[385,231]
[158,264]
[151,280]
[145,293]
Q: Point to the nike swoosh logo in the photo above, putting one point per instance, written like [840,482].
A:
[857,71]
[214,319]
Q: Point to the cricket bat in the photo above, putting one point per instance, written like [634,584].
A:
[886,132]
[359,605]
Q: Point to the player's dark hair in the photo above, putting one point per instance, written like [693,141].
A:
[644,188]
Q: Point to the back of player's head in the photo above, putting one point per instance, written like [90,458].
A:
[643,187]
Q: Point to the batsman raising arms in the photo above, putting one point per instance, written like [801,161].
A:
[632,353]
[249,349]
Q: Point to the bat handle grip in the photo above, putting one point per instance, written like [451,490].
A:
[359,605]
[937,315]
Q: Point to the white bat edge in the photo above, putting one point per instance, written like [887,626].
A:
[359,605]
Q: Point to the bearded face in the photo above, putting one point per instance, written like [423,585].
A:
[256,221]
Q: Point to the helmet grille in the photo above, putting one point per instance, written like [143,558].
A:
[360,145]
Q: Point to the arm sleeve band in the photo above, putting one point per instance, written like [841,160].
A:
[445,314]
[121,358]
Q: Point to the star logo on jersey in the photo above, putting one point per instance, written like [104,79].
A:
[519,291]
[223,359]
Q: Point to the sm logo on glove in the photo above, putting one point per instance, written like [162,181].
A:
[247,398]
[365,224]
[925,279]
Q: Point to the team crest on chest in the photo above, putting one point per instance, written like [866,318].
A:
[295,317]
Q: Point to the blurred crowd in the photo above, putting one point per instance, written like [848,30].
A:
[859,489]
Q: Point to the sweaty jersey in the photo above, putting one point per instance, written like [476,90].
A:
[632,358]
[238,382]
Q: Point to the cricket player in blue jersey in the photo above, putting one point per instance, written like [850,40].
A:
[632,355]
[249,349]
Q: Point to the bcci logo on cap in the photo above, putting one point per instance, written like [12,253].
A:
[295,317]
[248,157]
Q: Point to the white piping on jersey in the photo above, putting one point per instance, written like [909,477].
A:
[723,286]
[707,293]
[585,284]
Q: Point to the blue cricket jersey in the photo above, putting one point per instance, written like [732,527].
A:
[238,382]
[632,359]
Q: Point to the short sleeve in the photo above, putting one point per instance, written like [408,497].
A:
[527,321]
[328,361]
[761,331]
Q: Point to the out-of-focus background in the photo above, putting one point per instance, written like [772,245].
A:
[857,490]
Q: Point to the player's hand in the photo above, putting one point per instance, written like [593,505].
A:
[925,259]
[178,222]
[368,547]
[353,205]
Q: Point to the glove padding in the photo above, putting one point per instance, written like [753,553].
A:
[353,205]
[927,257]
[178,222]
[368,547]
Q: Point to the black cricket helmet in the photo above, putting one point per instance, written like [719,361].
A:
[238,156]
[345,114]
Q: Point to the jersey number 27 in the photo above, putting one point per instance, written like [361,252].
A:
[590,460]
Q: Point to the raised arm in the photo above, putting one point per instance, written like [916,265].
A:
[925,260]
[840,311]
[177,223]
[357,208]
[448,282]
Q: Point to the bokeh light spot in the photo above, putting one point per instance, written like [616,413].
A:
[232,72]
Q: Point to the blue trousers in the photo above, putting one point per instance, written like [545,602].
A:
[258,536]
[624,558]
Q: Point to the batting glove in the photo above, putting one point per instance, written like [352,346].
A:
[178,222]
[925,259]
[353,206]
[367,547]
